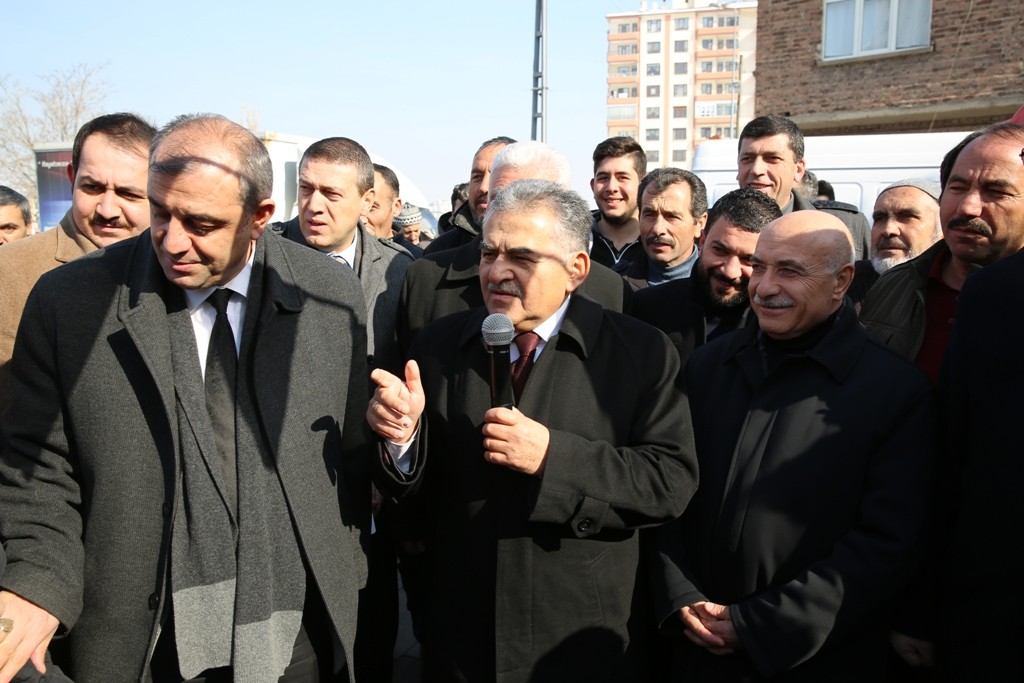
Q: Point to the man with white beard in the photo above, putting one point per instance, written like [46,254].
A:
[905,223]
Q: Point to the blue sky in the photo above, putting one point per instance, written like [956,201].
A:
[421,84]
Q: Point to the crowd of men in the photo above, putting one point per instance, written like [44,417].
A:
[754,439]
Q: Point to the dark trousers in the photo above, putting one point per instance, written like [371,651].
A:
[377,624]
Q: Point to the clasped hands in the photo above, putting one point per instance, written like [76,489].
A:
[709,626]
[510,439]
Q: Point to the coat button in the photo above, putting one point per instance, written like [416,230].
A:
[584,525]
[154,601]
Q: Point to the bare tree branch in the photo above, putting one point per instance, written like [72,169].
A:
[52,112]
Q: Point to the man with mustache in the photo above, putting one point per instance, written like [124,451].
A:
[108,174]
[906,223]
[813,482]
[912,307]
[713,300]
[673,211]
[533,512]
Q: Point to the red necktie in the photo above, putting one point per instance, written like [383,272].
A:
[527,343]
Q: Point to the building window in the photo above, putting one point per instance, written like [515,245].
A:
[624,91]
[727,44]
[679,112]
[626,28]
[679,155]
[678,133]
[729,66]
[705,132]
[706,88]
[681,46]
[654,47]
[624,70]
[730,88]
[682,23]
[654,69]
[680,90]
[653,155]
[680,68]
[654,91]
[707,22]
[626,49]
[729,21]
[865,27]
[653,25]
[654,112]
[707,67]
[707,44]
[621,111]
[652,134]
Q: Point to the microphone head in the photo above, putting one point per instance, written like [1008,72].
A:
[498,330]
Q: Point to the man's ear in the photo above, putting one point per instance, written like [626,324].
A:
[71,175]
[844,278]
[578,267]
[261,216]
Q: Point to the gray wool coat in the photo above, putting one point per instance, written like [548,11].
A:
[88,479]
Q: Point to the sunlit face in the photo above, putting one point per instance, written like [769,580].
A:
[791,289]
[385,206]
[524,272]
[12,224]
[479,181]
[667,228]
[615,186]
[108,192]
[723,267]
[768,165]
[200,231]
[905,223]
[330,204]
[982,204]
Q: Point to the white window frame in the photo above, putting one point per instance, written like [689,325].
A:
[858,31]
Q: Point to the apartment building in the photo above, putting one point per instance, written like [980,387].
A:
[680,72]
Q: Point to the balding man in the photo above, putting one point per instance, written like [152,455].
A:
[443,283]
[905,223]
[812,493]
[185,487]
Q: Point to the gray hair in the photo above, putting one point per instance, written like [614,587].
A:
[255,170]
[543,159]
[11,197]
[660,179]
[573,220]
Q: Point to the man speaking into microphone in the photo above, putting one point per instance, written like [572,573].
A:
[533,512]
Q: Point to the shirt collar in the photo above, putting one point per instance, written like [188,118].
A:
[238,284]
[550,327]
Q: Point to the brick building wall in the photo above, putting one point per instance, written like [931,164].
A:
[972,75]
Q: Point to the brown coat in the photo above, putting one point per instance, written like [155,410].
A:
[22,263]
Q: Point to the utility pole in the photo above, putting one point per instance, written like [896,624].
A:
[540,67]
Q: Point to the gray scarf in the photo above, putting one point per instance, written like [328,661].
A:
[238,585]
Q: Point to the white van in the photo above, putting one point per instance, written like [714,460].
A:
[857,166]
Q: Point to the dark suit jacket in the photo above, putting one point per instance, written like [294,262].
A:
[678,309]
[88,479]
[982,401]
[381,265]
[811,503]
[449,281]
[535,578]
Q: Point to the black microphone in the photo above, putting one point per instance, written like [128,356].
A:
[498,332]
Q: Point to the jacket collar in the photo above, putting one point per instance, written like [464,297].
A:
[71,243]
[837,352]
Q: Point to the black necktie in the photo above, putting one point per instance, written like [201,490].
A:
[527,343]
[221,373]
